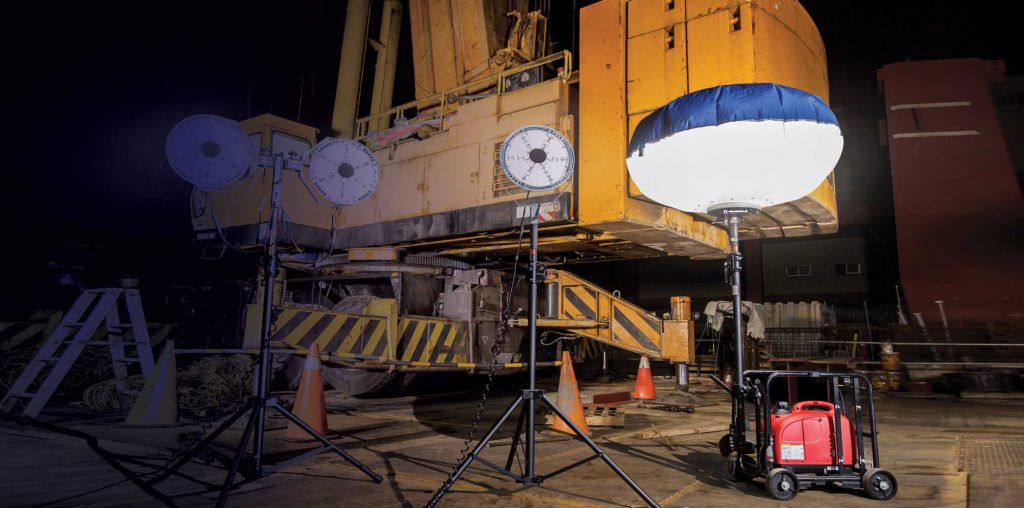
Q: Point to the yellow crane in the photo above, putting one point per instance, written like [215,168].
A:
[409,279]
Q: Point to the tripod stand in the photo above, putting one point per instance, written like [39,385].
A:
[527,402]
[736,440]
[261,400]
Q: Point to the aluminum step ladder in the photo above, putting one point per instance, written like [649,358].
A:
[94,308]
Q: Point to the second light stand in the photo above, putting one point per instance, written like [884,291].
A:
[261,400]
[527,403]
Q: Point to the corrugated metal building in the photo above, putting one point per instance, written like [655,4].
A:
[812,269]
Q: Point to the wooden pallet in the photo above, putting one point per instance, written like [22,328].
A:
[604,415]
[599,415]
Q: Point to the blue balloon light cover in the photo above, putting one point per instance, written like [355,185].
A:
[747,145]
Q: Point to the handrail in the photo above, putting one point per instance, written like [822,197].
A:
[441,99]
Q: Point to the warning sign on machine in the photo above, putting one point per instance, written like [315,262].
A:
[792,451]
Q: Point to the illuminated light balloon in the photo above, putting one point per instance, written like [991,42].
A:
[748,145]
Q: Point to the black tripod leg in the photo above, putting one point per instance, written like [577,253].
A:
[205,443]
[243,441]
[327,442]
[472,455]
[600,453]
[515,441]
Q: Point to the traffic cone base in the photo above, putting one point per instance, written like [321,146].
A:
[157,405]
[309,401]
[569,400]
[644,388]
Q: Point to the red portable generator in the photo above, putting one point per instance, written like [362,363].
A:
[815,443]
[803,436]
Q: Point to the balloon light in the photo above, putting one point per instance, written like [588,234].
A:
[747,146]
[732,150]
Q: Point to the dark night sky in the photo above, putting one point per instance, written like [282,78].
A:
[96,87]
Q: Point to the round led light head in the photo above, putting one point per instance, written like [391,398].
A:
[537,158]
[344,171]
[209,151]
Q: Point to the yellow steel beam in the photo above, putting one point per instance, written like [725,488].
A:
[559,323]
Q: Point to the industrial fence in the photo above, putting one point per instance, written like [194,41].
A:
[799,342]
[977,345]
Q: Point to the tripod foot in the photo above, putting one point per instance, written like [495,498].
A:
[598,453]
[328,445]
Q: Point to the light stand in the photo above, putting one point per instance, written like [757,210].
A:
[530,397]
[732,214]
[261,399]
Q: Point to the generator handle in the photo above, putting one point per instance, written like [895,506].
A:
[807,404]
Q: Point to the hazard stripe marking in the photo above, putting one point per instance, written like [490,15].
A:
[298,333]
[23,334]
[653,322]
[429,333]
[580,305]
[446,346]
[342,334]
[314,331]
[633,331]
[459,346]
[438,331]
[325,337]
[415,334]
[287,321]
[353,335]
[426,341]
[382,343]
[374,331]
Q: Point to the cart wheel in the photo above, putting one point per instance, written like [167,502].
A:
[738,473]
[725,445]
[879,484]
[782,484]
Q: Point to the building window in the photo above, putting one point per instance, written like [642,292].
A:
[847,268]
[798,271]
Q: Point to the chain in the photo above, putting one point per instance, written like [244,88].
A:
[506,313]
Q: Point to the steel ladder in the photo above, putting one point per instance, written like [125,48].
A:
[93,308]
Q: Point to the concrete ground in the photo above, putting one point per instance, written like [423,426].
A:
[944,452]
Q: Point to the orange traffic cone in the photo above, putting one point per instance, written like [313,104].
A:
[644,389]
[569,399]
[309,402]
[157,405]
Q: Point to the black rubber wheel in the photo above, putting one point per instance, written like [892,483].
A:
[738,473]
[782,484]
[879,484]
[725,445]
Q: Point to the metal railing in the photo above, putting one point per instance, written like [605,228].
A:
[797,342]
[461,94]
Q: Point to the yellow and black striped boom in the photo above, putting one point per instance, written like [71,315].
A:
[617,322]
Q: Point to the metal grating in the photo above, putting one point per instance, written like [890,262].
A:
[998,456]
[501,185]
[794,342]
